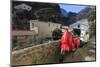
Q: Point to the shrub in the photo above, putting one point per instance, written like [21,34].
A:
[56,34]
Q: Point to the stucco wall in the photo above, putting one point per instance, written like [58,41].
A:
[40,54]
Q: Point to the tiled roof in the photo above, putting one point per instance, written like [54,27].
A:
[21,32]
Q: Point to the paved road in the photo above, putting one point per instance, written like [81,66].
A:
[86,53]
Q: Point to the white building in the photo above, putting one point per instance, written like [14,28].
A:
[23,7]
[84,27]
[43,28]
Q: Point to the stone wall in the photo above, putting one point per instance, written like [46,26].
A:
[39,54]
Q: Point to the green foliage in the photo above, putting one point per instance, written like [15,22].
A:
[56,34]
[19,24]
[40,40]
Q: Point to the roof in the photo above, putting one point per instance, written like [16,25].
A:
[21,32]
[84,24]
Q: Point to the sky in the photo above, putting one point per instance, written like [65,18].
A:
[72,8]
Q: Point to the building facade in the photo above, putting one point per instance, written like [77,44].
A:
[83,25]
[43,28]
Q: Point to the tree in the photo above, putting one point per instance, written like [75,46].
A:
[56,34]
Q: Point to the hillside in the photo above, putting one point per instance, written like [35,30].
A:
[40,11]
[88,12]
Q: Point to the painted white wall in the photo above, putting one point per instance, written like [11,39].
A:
[33,28]
[84,26]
